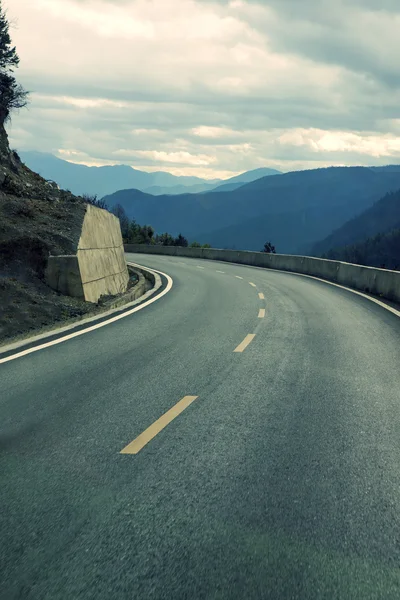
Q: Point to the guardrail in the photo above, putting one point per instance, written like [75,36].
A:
[380,282]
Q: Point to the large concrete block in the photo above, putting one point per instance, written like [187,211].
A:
[99,266]
[101,255]
[100,229]
[105,286]
[63,275]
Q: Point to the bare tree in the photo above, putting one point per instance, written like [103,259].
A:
[119,211]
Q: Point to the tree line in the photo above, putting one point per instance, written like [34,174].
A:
[133,233]
[381,250]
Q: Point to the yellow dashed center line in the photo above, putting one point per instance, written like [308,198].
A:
[261,313]
[147,435]
[252,284]
[249,338]
[261,296]
[237,277]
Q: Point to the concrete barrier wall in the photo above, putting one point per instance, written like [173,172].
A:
[380,282]
[63,275]
[98,268]
[101,255]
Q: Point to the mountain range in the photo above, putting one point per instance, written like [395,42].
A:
[236,182]
[338,212]
[293,211]
[372,238]
[381,217]
[100,181]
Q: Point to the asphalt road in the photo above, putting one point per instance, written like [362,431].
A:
[280,480]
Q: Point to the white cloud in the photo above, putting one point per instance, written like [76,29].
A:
[183,158]
[109,21]
[343,141]
[212,132]
[210,87]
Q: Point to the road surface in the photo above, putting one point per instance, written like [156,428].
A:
[276,475]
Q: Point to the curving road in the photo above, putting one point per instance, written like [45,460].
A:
[277,476]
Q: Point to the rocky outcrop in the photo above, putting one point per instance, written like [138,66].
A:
[40,223]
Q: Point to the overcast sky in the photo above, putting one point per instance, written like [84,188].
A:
[210,87]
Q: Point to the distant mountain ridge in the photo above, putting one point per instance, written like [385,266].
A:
[81,179]
[292,210]
[371,238]
[381,217]
[236,182]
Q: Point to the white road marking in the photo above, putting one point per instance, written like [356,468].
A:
[199,267]
[252,284]
[343,287]
[93,327]
[220,271]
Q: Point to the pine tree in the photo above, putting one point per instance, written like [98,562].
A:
[9,59]
[12,94]
[181,241]
[269,248]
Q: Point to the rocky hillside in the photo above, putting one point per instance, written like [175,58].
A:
[36,219]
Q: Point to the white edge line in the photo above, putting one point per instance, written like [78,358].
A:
[98,325]
[80,322]
[343,287]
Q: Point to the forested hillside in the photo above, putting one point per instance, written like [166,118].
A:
[381,250]
[293,209]
[381,217]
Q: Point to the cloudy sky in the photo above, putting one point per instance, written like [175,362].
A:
[210,87]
